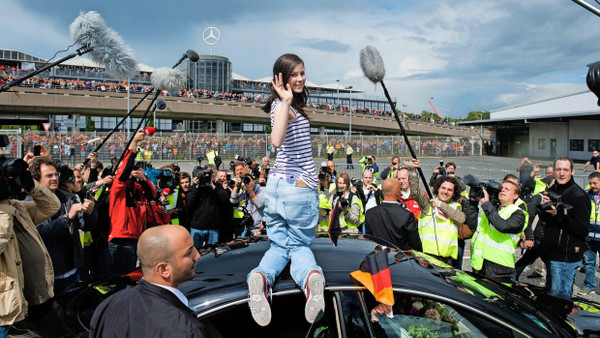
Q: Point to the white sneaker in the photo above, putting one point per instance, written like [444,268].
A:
[258,299]
[315,301]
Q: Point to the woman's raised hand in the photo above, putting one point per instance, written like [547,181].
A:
[283,90]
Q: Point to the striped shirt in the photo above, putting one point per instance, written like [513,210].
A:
[295,154]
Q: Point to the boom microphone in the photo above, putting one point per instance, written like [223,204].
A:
[193,56]
[108,48]
[168,79]
[471,180]
[372,66]
[160,104]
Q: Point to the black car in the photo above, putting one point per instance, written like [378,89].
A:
[431,299]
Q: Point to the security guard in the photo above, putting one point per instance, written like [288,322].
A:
[330,151]
[211,155]
[497,234]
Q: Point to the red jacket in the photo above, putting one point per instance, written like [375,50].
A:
[127,220]
[412,206]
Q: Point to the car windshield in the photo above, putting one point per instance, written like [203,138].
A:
[488,290]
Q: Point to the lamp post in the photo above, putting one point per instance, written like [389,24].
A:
[350,108]
[337,99]
[481,126]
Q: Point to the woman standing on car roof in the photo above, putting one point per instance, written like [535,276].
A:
[291,207]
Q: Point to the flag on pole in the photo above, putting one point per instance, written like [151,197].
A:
[374,274]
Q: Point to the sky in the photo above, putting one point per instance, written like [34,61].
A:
[466,54]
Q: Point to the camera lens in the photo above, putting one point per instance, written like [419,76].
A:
[246,180]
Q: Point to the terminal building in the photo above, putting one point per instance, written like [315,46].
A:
[211,72]
[567,125]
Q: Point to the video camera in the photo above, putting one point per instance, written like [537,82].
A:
[492,187]
[555,201]
[65,174]
[204,176]
[14,175]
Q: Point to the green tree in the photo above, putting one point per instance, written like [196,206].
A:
[150,123]
[267,128]
[90,124]
[427,115]
[478,115]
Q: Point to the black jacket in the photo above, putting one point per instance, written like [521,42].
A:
[565,233]
[209,209]
[145,310]
[395,224]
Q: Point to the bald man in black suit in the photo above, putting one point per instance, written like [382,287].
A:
[391,221]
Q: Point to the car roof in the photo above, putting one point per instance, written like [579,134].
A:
[221,272]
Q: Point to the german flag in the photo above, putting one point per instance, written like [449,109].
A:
[374,274]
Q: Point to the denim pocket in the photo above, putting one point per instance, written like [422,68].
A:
[301,209]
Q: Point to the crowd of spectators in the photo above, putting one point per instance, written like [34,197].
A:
[8,73]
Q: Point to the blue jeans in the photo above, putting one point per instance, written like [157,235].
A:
[291,214]
[589,261]
[120,257]
[203,237]
[4,330]
[563,276]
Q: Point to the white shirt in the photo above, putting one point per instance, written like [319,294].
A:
[176,292]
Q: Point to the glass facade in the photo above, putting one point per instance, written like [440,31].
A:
[211,72]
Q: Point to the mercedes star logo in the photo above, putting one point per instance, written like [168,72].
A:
[211,36]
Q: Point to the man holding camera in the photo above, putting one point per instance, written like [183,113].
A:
[498,233]
[369,193]
[392,167]
[61,231]
[208,203]
[327,191]
[368,163]
[24,260]
[254,205]
[590,255]
[567,219]
[404,198]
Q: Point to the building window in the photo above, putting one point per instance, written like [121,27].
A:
[542,143]
[576,145]
[593,145]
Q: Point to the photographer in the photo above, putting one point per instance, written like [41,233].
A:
[326,195]
[393,166]
[524,169]
[208,203]
[497,235]
[24,260]
[179,213]
[127,210]
[368,163]
[590,255]
[405,199]
[254,206]
[567,220]
[349,205]
[440,216]
[61,231]
[369,192]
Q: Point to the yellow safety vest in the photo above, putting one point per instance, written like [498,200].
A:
[439,239]
[594,232]
[172,199]
[140,155]
[148,155]
[361,217]
[493,245]
[238,213]
[330,149]
[211,157]
[326,204]
[539,186]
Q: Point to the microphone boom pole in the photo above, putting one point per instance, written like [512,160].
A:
[410,148]
[79,52]
[118,125]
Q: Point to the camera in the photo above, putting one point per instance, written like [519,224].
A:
[369,160]
[204,177]
[356,183]
[199,158]
[343,202]
[12,172]
[65,174]
[555,201]
[246,179]
[442,169]
[37,150]
[492,187]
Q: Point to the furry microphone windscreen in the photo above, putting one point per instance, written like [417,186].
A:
[193,56]
[90,30]
[168,79]
[372,64]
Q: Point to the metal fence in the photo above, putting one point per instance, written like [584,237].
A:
[188,146]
